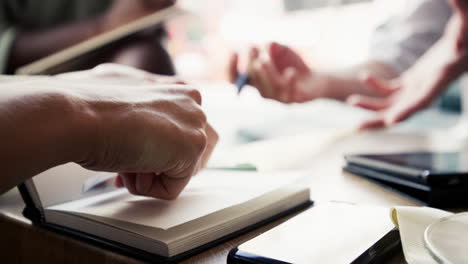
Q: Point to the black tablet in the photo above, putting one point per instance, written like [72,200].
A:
[436,179]
[417,169]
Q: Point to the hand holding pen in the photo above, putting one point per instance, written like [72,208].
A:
[278,73]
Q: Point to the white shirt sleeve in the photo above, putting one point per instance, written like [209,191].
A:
[402,40]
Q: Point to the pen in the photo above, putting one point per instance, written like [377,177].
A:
[241,80]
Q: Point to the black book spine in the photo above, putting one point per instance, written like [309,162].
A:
[30,210]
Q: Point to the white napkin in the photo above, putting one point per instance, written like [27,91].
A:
[412,222]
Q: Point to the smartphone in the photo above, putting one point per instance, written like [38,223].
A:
[333,232]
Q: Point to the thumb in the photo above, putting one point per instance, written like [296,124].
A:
[368,102]
[232,70]
[283,57]
[377,85]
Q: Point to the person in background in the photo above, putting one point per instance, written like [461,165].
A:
[30,30]
[418,86]
[154,134]
[416,44]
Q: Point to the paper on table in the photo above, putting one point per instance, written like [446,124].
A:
[208,192]
[412,222]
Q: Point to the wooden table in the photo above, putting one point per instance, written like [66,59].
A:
[22,242]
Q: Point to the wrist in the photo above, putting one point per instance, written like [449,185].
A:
[65,124]
[80,128]
[332,86]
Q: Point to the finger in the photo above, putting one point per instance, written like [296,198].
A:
[167,188]
[129,182]
[381,87]
[371,124]
[143,182]
[253,56]
[212,140]
[252,61]
[233,71]
[118,182]
[406,106]
[273,79]
[278,82]
[283,56]
[265,86]
[400,113]
[290,76]
[254,77]
[276,52]
[275,49]
[368,102]
[195,95]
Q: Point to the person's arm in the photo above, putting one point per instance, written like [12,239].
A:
[35,122]
[417,87]
[345,82]
[156,137]
[50,40]
[284,76]
[395,46]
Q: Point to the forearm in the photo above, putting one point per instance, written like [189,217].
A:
[33,45]
[37,132]
[346,82]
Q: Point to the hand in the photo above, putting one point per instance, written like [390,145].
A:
[157,137]
[282,75]
[416,88]
[112,73]
[124,11]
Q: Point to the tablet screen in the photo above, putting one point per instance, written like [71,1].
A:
[442,162]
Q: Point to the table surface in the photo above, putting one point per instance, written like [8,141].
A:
[321,152]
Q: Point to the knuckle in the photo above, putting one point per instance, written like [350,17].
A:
[194,94]
[199,141]
[195,116]
[214,136]
[201,116]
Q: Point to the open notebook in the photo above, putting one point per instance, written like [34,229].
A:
[215,206]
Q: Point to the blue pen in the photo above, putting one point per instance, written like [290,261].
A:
[241,80]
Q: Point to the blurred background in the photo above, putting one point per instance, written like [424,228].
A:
[328,33]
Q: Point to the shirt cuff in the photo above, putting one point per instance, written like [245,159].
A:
[7,38]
